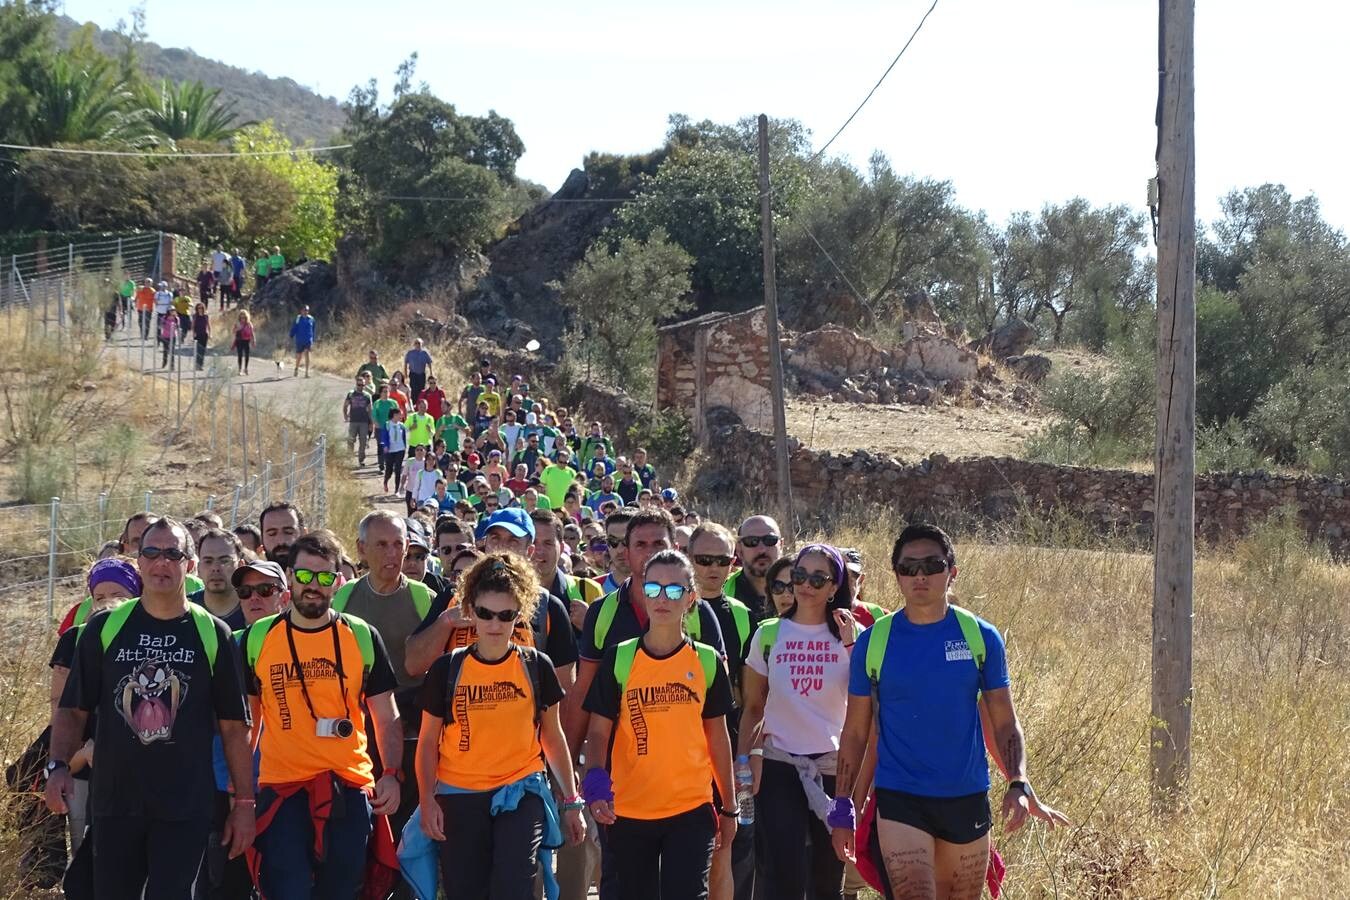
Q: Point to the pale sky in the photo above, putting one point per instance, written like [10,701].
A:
[1017,103]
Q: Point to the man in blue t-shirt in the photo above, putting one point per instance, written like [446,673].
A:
[937,706]
[418,363]
[302,331]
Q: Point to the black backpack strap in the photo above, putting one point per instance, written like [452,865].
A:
[452,674]
[529,657]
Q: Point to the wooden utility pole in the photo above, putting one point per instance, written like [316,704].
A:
[786,519]
[1174,457]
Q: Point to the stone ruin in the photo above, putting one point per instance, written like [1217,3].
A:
[718,362]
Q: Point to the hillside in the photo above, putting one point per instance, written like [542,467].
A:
[299,112]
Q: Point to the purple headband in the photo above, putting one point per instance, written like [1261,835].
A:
[117,571]
[829,553]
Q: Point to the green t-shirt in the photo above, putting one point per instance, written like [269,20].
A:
[128,288]
[382,410]
[448,429]
[556,480]
[544,503]
[276,263]
[377,372]
[260,266]
[548,439]
[420,426]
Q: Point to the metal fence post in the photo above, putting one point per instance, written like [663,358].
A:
[234,507]
[322,505]
[243,428]
[148,496]
[291,478]
[102,517]
[210,502]
[257,427]
[51,559]
[267,483]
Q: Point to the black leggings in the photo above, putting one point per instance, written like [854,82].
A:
[664,859]
[166,345]
[486,856]
[241,353]
[393,466]
[133,853]
[790,871]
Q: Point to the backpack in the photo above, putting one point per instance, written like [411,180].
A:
[421,596]
[740,614]
[881,636]
[626,652]
[255,634]
[529,658]
[203,620]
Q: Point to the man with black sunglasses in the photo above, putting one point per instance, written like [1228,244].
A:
[931,778]
[310,673]
[162,677]
[759,542]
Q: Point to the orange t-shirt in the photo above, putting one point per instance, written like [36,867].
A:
[400,398]
[493,739]
[658,757]
[145,298]
[290,750]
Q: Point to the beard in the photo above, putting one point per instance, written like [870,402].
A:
[759,565]
[311,604]
[280,554]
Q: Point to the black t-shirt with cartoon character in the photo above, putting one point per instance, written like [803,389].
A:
[158,699]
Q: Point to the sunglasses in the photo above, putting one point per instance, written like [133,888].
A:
[265,591]
[598,546]
[674,592]
[754,540]
[780,587]
[613,541]
[929,565]
[416,557]
[504,615]
[711,559]
[815,579]
[171,553]
[306,576]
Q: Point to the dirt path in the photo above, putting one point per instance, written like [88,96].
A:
[314,403]
[911,432]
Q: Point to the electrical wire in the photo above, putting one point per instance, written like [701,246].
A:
[76,151]
[855,112]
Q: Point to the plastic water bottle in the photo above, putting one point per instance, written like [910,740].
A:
[745,795]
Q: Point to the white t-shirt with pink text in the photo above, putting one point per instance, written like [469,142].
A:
[808,687]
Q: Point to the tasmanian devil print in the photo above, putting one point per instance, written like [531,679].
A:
[149,698]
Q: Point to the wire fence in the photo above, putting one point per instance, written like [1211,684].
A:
[50,545]
[46,279]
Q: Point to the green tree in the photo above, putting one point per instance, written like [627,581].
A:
[309,226]
[189,111]
[80,97]
[617,298]
[26,49]
[705,197]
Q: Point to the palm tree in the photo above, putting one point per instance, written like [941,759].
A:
[189,111]
[79,99]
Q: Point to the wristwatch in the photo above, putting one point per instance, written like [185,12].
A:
[53,766]
[1022,786]
[729,813]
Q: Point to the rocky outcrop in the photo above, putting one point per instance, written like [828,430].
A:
[312,284]
[1030,367]
[955,492]
[1012,338]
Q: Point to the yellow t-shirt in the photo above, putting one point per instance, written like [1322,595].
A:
[290,749]
[493,401]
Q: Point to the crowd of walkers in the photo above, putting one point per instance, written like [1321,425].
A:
[498,695]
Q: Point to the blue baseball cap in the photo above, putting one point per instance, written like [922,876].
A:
[670,494]
[513,519]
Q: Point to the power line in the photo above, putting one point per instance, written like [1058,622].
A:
[855,112]
[76,151]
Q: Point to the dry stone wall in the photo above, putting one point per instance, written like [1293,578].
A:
[992,488]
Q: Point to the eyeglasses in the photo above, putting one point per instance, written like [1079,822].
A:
[453,548]
[780,587]
[815,579]
[265,591]
[502,615]
[929,565]
[754,540]
[674,592]
[305,576]
[711,559]
[207,562]
[171,553]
